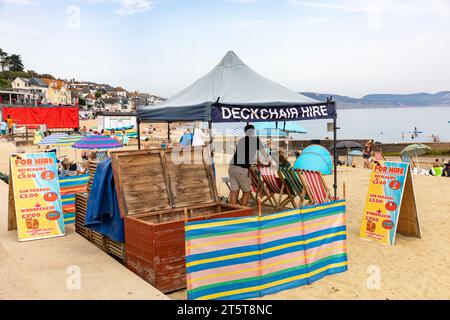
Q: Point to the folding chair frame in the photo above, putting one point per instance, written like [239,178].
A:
[308,188]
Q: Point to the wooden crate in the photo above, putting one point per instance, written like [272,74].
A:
[154,195]
[111,247]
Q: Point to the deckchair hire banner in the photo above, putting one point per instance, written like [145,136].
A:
[238,113]
[390,204]
[37,199]
[241,258]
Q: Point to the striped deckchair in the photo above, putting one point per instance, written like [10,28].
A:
[277,186]
[259,189]
[378,156]
[315,186]
[70,186]
[295,184]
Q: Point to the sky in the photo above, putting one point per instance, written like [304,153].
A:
[347,47]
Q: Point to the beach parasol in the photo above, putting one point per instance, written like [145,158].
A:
[68,140]
[239,131]
[51,139]
[357,153]
[97,142]
[348,144]
[289,127]
[353,153]
[416,149]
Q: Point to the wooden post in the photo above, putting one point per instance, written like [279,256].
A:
[185,214]
[343,189]
[138,122]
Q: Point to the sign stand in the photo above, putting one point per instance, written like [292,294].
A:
[390,204]
[34,204]
[408,220]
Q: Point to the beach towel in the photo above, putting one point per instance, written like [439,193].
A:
[249,257]
[103,213]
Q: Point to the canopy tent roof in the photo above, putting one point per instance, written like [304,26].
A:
[231,82]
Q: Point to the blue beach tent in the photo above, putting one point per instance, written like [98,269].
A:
[315,157]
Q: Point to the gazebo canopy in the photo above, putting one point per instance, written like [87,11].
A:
[233,85]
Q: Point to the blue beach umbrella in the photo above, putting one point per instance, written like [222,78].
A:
[286,126]
[97,142]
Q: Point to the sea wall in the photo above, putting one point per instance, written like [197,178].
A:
[385,147]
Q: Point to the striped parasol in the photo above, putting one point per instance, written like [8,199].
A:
[52,139]
[68,140]
[97,142]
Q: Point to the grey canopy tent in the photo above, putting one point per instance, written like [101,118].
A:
[233,92]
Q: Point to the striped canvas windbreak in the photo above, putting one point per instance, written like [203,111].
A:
[70,186]
[241,258]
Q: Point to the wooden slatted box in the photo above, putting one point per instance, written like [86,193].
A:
[111,247]
[155,191]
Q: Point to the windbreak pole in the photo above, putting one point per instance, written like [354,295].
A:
[138,123]
[335,157]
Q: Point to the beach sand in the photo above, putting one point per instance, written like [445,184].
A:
[411,269]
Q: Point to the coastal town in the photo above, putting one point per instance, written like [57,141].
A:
[21,87]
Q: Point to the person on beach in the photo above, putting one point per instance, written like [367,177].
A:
[446,170]
[146,143]
[367,152]
[437,163]
[245,155]
[10,123]
[3,129]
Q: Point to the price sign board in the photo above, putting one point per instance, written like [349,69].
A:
[390,204]
[37,199]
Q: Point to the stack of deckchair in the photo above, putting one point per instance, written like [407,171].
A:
[276,186]
[315,186]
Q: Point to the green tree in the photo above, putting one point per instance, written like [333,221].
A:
[15,62]
[98,94]
[46,75]
[3,59]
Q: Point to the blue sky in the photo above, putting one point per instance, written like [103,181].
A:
[351,47]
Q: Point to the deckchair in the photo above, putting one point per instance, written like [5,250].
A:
[259,190]
[315,186]
[276,186]
[295,184]
[379,156]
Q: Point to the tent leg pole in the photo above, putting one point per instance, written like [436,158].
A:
[335,154]
[139,134]
[211,139]
[168,131]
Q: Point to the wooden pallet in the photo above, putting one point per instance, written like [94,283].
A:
[92,165]
[111,247]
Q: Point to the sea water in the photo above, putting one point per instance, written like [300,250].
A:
[387,125]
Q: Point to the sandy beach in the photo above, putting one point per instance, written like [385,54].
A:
[411,269]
